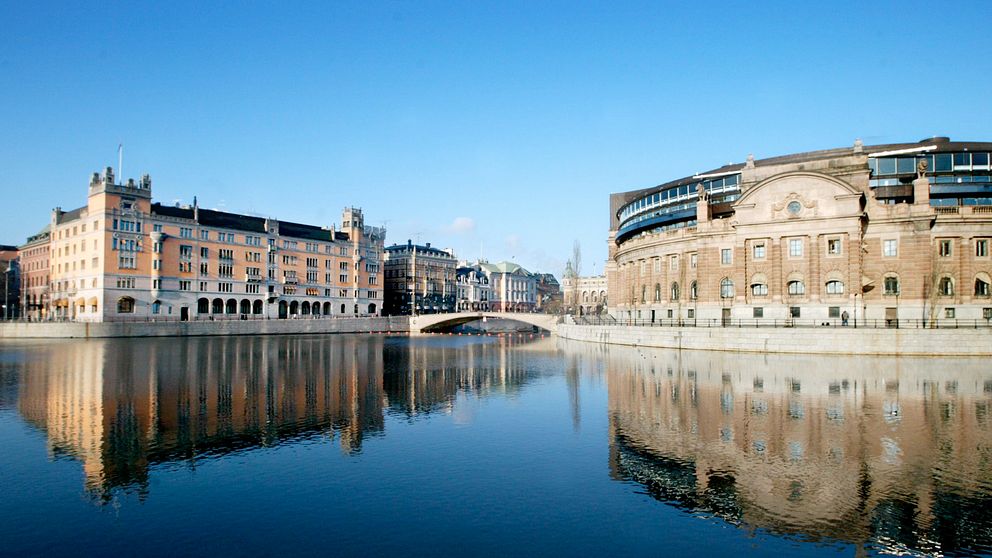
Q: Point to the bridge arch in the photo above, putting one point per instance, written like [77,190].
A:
[439,322]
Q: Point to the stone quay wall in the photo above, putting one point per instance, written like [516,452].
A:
[62,330]
[839,340]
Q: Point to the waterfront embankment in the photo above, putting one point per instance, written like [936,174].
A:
[810,340]
[62,330]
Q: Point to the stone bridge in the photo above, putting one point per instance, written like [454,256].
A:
[434,322]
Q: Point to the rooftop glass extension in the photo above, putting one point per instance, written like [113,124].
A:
[676,196]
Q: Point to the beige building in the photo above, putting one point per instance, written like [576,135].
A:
[122,257]
[590,292]
[896,234]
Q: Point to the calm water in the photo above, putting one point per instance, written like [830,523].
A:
[368,445]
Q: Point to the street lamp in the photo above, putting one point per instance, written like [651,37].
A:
[6,292]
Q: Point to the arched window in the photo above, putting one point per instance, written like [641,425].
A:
[245,306]
[372,308]
[644,293]
[835,287]
[232,306]
[256,307]
[156,307]
[693,291]
[796,288]
[759,289]
[203,306]
[981,287]
[125,305]
[657,292]
[891,285]
[217,306]
[675,291]
[726,288]
[342,308]
[946,286]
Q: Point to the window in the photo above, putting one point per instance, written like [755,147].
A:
[692,261]
[981,287]
[944,248]
[759,289]
[795,247]
[657,265]
[796,288]
[251,288]
[225,287]
[691,313]
[794,311]
[987,313]
[156,307]
[644,293]
[833,246]
[185,232]
[184,285]
[203,286]
[673,263]
[981,248]
[835,287]
[948,312]
[946,286]
[125,305]
[692,292]
[726,288]
[657,292]
[759,251]
[675,291]
[833,312]
[890,248]
[726,256]
[758,312]
[204,234]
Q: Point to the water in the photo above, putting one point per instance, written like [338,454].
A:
[370,445]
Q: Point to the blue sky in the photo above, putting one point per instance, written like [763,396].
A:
[493,128]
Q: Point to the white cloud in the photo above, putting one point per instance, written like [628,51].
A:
[461,225]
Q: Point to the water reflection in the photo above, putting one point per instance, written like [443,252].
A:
[122,406]
[891,454]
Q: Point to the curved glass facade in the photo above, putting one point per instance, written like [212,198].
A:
[673,207]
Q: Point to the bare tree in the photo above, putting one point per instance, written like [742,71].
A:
[575,264]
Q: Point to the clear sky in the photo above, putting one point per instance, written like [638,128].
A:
[496,128]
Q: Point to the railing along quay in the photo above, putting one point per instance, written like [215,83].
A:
[902,323]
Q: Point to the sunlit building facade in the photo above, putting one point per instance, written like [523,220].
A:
[887,233]
[122,257]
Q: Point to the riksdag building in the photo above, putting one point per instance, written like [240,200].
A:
[891,235]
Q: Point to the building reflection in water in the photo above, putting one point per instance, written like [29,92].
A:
[121,407]
[887,453]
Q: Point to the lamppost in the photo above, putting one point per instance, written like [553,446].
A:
[6,292]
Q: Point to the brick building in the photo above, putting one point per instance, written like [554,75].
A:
[888,232]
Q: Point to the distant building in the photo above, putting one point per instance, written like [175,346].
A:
[590,292]
[474,291]
[419,280]
[122,257]
[11,281]
[549,296]
[514,289]
[34,256]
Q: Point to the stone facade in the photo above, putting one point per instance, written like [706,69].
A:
[812,237]
[35,281]
[122,258]
[590,291]
[421,276]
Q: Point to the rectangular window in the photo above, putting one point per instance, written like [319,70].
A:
[944,248]
[185,232]
[691,313]
[204,234]
[657,265]
[692,261]
[674,263]
[725,256]
[759,251]
[890,248]
[157,228]
[251,288]
[203,286]
[184,285]
[981,247]
[225,287]
[833,246]
[343,278]
[795,247]
[833,312]
[794,311]
[948,312]
[758,312]
[225,270]
[156,283]
[204,252]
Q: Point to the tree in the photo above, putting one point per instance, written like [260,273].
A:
[575,267]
